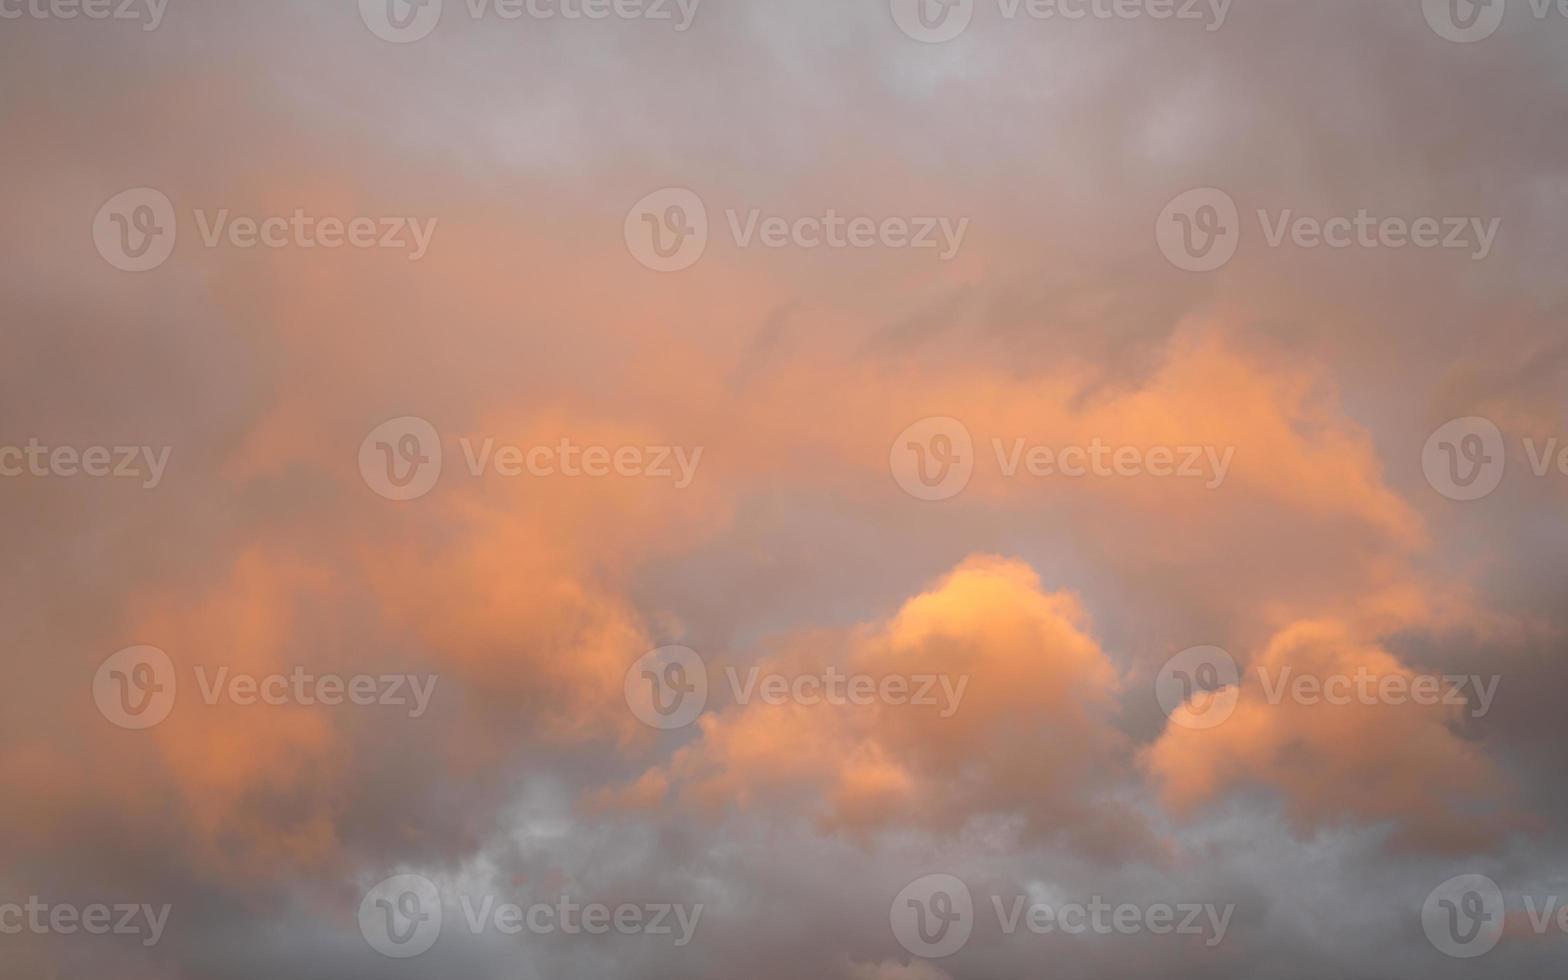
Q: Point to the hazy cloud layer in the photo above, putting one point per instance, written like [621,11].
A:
[1310,537]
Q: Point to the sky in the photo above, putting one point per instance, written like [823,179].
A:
[871,490]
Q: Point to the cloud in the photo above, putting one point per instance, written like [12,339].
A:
[1368,761]
[1058,323]
[1030,737]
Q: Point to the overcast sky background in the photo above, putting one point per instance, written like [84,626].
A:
[529,320]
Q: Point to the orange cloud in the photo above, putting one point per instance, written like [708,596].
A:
[1367,761]
[1030,739]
